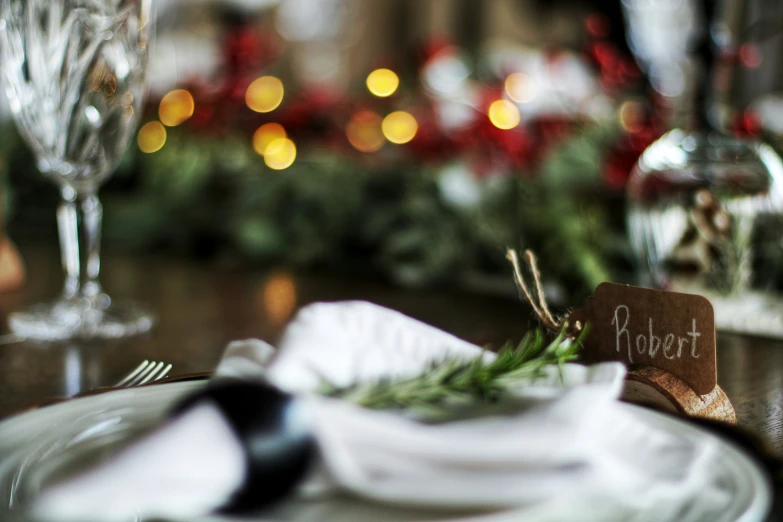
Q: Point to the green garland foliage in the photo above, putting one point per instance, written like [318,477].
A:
[213,195]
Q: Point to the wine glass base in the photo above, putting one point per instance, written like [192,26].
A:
[96,318]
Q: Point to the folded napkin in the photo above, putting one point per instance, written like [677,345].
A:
[562,445]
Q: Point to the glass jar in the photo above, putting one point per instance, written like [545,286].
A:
[693,201]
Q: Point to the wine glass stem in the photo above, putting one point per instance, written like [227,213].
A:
[79,218]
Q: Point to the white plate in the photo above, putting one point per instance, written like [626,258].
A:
[36,446]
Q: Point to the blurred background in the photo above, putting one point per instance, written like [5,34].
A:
[414,140]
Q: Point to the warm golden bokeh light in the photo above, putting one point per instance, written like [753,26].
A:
[383,82]
[520,87]
[152,137]
[630,115]
[399,127]
[176,107]
[503,114]
[265,94]
[280,154]
[364,131]
[266,134]
[278,298]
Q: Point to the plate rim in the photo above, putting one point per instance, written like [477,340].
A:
[756,511]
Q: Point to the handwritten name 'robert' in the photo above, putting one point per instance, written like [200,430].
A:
[651,344]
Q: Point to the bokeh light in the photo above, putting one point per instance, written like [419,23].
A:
[152,137]
[447,72]
[278,297]
[364,131]
[265,94]
[631,116]
[399,127]
[176,107]
[383,82]
[520,87]
[749,55]
[503,114]
[280,154]
[266,134]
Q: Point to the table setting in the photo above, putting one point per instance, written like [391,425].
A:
[465,266]
[99,427]
[358,447]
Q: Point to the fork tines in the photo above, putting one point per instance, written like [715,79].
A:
[147,371]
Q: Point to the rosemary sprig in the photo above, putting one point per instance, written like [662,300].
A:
[459,381]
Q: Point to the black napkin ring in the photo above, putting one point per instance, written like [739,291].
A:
[279,448]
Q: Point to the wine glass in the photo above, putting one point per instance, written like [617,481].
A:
[74,75]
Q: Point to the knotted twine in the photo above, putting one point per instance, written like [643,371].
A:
[538,299]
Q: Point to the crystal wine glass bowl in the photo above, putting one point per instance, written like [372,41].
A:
[74,76]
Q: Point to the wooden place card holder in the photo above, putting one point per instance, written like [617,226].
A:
[666,339]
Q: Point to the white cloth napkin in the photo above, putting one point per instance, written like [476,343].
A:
[562,449]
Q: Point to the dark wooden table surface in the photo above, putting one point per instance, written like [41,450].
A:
[203,306]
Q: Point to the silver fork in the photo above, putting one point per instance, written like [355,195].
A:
[146,372]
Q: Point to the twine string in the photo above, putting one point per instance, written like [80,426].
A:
[537,300]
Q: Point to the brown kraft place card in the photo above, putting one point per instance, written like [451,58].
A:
[639,326]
